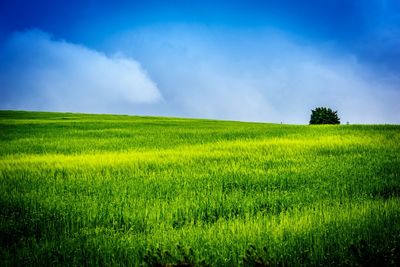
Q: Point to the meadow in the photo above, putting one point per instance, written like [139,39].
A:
[113,190]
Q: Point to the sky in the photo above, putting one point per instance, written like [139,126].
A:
[267,61]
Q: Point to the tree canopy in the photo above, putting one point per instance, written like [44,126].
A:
[323,115]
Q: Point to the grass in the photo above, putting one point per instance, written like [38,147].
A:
[79,189]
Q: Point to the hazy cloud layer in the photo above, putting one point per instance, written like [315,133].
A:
[250,75]
[260,75]
[40,73]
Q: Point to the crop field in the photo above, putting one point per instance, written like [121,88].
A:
[90,190]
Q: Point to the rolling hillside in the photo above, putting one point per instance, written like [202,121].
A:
[80,189]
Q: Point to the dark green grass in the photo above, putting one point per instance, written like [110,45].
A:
[79,189]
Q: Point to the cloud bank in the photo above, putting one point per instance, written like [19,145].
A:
[259,75]
[40,73]
[221,73]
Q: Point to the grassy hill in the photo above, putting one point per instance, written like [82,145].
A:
[79,189]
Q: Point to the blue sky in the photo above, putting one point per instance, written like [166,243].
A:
[267,61]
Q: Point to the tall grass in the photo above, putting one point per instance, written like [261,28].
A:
[81,189]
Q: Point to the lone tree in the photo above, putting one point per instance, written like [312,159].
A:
[323,115]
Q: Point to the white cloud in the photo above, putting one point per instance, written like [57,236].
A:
[38,72]
[258,75]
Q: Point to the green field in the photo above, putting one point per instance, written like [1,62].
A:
[93,190]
